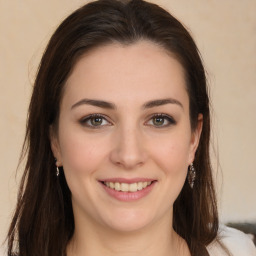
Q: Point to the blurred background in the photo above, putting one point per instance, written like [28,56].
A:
[225,32]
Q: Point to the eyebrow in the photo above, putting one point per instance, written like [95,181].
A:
[109,105]
[96,103]
[160,102]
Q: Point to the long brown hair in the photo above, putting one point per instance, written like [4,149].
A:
[43,222]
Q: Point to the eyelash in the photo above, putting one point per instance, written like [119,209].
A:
[165,117]
[84,121]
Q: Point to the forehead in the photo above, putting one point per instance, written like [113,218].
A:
[136,72]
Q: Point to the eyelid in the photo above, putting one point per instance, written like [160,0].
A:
[84,119]
[170,119]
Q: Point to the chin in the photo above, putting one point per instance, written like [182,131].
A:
[129,221]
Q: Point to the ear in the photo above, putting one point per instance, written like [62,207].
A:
[55,145]
[195,138]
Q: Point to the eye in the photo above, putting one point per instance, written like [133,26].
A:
[161,120]
[95,121]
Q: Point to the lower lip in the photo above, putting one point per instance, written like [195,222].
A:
[129,196]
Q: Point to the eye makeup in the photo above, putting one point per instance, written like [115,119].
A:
[160,121]
[97,121]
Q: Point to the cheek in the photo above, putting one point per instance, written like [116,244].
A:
[81,154]
[171,158]
[172,155]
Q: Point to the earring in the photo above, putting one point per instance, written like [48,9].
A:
[191,175]
[57,167]
[57,171]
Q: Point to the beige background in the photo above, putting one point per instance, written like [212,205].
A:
[226,35]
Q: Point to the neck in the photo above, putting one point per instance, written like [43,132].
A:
[157,239]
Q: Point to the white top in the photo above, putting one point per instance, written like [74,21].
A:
[238,243]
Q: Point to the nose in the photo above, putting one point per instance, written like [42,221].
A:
[129,150]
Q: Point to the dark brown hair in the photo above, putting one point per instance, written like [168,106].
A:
[43,222]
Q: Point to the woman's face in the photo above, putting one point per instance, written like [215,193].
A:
[124,137]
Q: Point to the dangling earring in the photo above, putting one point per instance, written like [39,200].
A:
[57,167]
[57,171]
[191,175]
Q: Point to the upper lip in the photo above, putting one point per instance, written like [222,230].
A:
[125,180]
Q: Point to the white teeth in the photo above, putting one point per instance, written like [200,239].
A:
[125,187]
[139,186]
[117,186]
[112,185]
[133,187]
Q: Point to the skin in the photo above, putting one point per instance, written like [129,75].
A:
[128,142]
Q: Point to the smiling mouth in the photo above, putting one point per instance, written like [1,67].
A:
[125,187]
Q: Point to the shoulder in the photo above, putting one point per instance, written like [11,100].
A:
[238,243]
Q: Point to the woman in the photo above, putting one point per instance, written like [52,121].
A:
[117,140]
